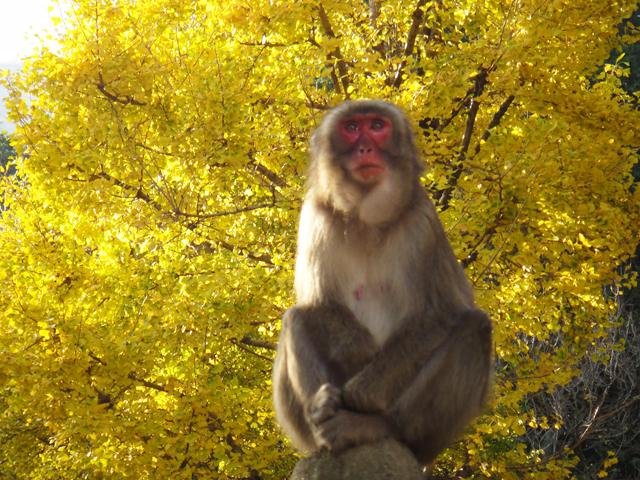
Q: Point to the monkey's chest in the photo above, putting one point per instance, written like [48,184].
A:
[377,297]
[372,307]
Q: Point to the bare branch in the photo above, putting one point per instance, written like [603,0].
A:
[265,172]
[240,345]
[495,121]
[417,16]
[264,258]
[335,54]
[147,383]
[374,11]
[258,343]
[154,150]
[235,211]
[126,100]
[139,193]
[480,81]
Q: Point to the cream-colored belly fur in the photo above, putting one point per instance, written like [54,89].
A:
[374,287]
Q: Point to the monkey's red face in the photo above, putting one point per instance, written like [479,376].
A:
[366,135]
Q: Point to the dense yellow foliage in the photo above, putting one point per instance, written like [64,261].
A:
[147,244]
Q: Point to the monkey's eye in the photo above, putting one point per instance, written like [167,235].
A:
[377,124]
[351,126]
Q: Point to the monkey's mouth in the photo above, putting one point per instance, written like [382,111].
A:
[369,171]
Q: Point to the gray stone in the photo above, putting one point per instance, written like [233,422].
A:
[384,460]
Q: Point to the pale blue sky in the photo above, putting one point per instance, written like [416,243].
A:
[20,23]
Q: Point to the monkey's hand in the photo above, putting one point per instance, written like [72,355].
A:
[359,396]
[346,429]
[324,404]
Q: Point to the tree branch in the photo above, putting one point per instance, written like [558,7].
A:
[417,16]
[488,233]
[131,376]
[335,54]
[153,150]
[480,81]
[147,383]
[440,126]
[374,11]
[240,344]
[265,172]
[126,100]
[235,211]
[495,121]
[258,343]
[264,258]
[139,193]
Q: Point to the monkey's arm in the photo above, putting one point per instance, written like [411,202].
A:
[419,348]
[322,345]
[305,367]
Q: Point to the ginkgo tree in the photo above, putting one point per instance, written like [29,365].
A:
[148,236]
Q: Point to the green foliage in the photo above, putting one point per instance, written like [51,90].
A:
[147,251]
[631,81]
[7,154]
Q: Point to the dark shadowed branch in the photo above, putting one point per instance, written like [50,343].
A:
[495,121]
[417,18]
[444,196]
[341,78]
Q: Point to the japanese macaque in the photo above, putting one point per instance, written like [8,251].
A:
[385,339]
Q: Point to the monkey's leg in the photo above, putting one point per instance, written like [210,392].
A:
[324,344]
[429,380]
[450,389]
[319,348]
[394,368]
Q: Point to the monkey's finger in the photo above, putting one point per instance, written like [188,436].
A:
[320,415]
[327,400]
[328,390]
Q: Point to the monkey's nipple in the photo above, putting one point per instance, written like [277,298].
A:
[359,292]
